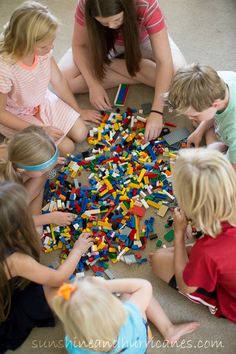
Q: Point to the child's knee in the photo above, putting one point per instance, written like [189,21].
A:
[79,132]
[66,147]
[83,132]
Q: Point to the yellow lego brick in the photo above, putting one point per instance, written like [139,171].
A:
[123,207]
[134,185]
[112,250]
[153,204]
[146,180]
[103,192]
[105,225]
[101,246]
[108,184]
[130,169]
[141,175]
[124,197]
[137,236]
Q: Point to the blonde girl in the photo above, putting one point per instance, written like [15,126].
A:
[31,155]
[95,320]
[204,183]
[26,69]
[23,304]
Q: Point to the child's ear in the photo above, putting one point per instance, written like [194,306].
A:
[216,104]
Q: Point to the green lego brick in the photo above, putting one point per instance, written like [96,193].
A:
[159,243]
[169,236]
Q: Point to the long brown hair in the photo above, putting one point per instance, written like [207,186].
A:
[30,146]
[102,39]
[18,234]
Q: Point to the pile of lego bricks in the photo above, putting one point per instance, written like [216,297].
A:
[126,176]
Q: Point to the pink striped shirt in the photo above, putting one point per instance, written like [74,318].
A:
[27,93]
[150,18]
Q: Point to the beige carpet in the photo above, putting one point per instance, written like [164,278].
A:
[205,31]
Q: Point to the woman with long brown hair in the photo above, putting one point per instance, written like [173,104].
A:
[121,41]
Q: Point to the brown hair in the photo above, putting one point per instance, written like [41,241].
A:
[18,234]
[102,39]
[30,146]
[195,86]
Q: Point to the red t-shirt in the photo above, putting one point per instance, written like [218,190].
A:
[212,266]
[150,18]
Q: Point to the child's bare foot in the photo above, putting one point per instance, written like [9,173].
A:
[175,332]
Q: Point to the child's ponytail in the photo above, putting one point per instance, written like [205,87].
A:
[8,172]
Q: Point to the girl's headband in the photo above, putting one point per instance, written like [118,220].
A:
[41,166]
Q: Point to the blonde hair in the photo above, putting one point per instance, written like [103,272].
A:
[31,146]
[92,317]
[195,86]
[30,24]
[204,183]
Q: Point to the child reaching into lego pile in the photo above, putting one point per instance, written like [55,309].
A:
[31,155]
[205,187]
[208,99]
[96,321]
[121,41]
[26,68]
[23,305]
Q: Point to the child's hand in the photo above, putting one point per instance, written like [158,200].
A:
[153,127]
[99,97]
[53,132]
[61,160]
[84,242]
[194,139]
[90,116]
[61,218]
[180,222]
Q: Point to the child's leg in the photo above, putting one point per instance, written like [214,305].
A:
[78,84]
[79,132]
[213,142]
[66,147]
[162,262]
[168,330]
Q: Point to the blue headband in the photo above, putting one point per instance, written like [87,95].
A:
[41,166]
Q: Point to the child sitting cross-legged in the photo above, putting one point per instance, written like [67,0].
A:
[204,183]
[31,155]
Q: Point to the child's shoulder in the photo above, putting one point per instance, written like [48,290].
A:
[227,76]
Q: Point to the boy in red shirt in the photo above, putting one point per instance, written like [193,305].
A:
[205,187]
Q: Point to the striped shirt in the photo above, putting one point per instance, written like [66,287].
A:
[28,96]
[149,15]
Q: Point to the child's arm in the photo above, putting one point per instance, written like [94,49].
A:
[140,290]
[25,266]
[8,119]
[180,253]
[196,137]
[59,218]
[63,91]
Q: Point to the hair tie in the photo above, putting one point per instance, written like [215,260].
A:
[66,290]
